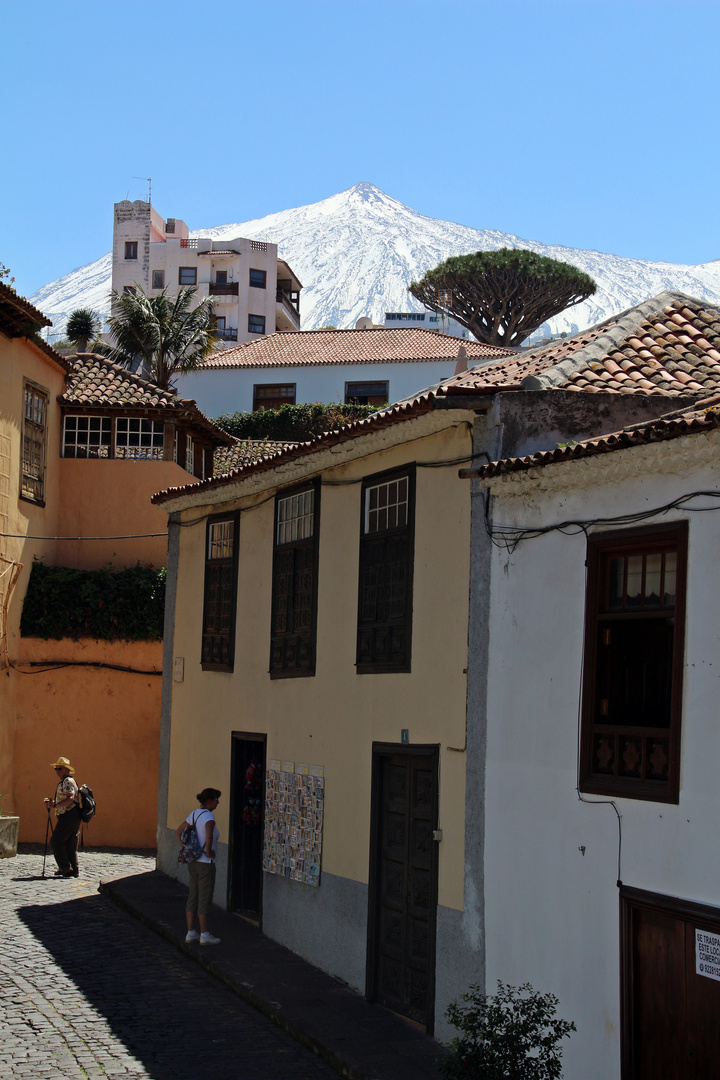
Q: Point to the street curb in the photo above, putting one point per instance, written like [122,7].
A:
[244,991]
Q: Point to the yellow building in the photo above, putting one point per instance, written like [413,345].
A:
[83,444]
[316,665]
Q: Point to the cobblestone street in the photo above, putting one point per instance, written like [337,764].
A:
[88,992]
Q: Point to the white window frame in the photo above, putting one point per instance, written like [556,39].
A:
[390,502]
[93,434]
[134,441]
[295,517]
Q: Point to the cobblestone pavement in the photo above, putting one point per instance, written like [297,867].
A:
[86,992]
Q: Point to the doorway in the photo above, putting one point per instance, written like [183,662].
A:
[670,988]
[247,819]
[403,882]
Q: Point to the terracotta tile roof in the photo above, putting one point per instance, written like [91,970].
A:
[704,416]
[245,452]
[16,309]
[394,414]
[668,346]
[95,382]
[307,347]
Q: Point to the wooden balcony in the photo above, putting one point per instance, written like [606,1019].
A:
[229,288]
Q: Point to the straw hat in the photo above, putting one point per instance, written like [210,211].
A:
[62,763]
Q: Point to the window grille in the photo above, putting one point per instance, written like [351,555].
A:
[139,438]
[87,437]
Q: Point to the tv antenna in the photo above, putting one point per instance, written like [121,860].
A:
[149,181]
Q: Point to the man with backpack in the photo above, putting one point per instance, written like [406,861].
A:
[64,842]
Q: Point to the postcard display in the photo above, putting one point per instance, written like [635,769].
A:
[294,798]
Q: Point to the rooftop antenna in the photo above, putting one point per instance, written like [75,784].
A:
[149,180]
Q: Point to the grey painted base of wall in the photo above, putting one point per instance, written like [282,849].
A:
[328,927]
[458,964]
[325,925]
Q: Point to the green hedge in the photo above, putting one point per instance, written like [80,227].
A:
[292,423]
[108,605]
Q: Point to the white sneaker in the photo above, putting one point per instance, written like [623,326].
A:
[208,939]
[192,935]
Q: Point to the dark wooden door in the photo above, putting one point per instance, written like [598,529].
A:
[401,952]
[247,824]
[671,1010]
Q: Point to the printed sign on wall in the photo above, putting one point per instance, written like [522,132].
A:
[707,954]
[294,803]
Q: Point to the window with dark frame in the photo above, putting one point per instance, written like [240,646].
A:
[221,277]
[384,635]
[158,279]
[256,324]
[273,395]
[219,608]
[129,290]
[366,393]
[634,638]
[131,249]
[294,587]
[187,275]
[258,279]
[34,443]
[87,437]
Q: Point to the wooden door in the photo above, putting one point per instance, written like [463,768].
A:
[247,812]
[671,998]
[403,883]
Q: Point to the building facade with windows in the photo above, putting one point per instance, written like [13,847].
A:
[600,794]
[83,445]
[426,320]
[342,615]
[254,292]
[368,366]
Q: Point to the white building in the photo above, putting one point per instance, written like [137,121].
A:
[255,292]
[365,366]
[426,320]
[601,876]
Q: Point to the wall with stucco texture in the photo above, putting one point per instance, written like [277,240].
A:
[551,865]
[107,722]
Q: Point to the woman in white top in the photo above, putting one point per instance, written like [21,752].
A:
[202,870]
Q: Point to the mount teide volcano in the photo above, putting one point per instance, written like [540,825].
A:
[357,252]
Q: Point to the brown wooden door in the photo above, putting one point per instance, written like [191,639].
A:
[401,952]
[671,1012]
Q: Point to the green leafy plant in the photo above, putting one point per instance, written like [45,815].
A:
[510,1035]
[292,423]
[108,605]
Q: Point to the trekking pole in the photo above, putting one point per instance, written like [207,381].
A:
[48,828]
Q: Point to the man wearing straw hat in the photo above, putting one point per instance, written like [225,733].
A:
[64,841]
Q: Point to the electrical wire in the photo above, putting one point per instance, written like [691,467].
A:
[508,537]
[56,666]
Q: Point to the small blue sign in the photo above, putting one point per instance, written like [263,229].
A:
[405,735]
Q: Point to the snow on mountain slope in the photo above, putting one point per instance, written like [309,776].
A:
[357,252]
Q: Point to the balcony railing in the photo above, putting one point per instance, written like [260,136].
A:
[228,288]
[226,334]
[185,242]
[288,301]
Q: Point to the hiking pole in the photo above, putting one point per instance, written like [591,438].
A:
[48,828]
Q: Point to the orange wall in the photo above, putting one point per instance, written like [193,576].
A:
[107,723]
[112,498]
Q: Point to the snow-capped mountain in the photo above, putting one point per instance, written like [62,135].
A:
[357,252]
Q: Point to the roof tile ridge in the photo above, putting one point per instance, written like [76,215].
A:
[619,328]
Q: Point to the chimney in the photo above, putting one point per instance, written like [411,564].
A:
[461,362]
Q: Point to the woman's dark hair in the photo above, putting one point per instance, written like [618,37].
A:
[208,793]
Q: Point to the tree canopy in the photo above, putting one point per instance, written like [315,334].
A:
[502,296]
[167,332]
[83,326]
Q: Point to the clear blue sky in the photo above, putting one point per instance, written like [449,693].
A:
[588,123]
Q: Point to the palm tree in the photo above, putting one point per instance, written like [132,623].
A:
[168,334]
[82,326]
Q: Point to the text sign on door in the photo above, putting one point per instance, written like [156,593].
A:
[707,954]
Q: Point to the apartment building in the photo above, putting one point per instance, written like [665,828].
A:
[255,292]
